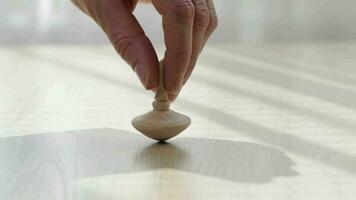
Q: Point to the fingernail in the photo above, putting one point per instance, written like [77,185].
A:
[142,75]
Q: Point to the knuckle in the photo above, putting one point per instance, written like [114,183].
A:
[124,44]
[202,14]
[183,10]
[213,23]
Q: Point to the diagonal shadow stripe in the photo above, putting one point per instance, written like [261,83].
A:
[305,87]
[276,103]
[269,58]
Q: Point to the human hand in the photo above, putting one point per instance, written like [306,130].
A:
[187,25]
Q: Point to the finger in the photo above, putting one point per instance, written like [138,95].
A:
[213,22]
[129,40]
[201,23]
[178,17]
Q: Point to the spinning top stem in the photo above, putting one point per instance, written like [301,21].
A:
[161,102]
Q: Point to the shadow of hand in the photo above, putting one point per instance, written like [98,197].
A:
[228,160]
[98,152]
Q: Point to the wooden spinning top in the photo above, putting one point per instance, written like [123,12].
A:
[161,123]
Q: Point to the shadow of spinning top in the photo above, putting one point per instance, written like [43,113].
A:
[161,123]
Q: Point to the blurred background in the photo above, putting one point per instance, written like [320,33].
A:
[245,21]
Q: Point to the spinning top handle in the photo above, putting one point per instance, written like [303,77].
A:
[161,102]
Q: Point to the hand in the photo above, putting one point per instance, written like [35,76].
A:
[187,25]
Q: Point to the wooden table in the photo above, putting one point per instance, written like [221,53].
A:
[271,121]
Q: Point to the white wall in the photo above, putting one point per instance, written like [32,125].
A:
[240,20]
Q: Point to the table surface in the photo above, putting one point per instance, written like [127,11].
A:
[269,121]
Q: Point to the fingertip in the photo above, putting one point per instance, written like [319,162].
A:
[147,79]
[151,84]
[175,84]
[174,92]
[172,96]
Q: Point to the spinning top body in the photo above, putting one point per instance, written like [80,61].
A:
[161,123]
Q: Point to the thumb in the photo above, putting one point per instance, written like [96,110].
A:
[129,40]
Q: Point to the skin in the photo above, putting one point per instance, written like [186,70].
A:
[187,25]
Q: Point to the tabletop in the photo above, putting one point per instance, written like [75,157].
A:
[269,121]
